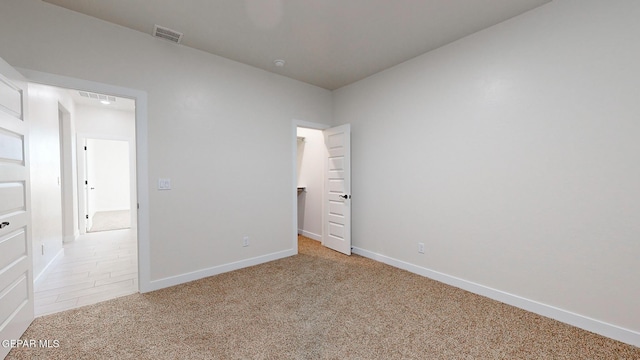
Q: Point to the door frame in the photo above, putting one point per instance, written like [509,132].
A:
[295,124]
[142,155]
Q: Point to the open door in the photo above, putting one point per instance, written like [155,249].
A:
[16,262]
[336,234]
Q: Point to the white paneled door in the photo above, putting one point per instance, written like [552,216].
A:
[16,263]
[336,234]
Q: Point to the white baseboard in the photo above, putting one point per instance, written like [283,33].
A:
[196,275]
[577,320]
[38,278]
[310,235]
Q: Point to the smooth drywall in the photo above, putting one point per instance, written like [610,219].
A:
[220,130]
[103,122]
[311,154]
[512,154]
[109,177]
[46,185]
[70,217]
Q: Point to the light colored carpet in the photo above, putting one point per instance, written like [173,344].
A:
[316,305]
[110,220]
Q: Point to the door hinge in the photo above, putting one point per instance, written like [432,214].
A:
[86,217]
[85,148]
[138,205]
[86,182]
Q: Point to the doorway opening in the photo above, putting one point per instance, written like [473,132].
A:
[304,199]
[310,181]
[328,153]
[94,261]
[107,187]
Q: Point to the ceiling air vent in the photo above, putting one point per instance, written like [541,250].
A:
[97,96]
[167,34]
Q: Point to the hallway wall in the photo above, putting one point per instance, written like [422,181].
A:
[44,142]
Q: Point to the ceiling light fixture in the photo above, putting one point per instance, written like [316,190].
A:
[105,102]
[279,62]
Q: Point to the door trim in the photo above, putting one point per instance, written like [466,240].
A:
[142,155]
[295,124]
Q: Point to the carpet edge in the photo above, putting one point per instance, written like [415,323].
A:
[612,331]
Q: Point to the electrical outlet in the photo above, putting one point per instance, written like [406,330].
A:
[421,248]
[245,241]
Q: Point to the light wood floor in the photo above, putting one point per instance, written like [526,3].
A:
[96,267]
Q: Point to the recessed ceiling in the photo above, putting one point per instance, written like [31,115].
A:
[328,43]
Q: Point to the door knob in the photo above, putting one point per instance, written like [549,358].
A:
[345,196]
[4,224]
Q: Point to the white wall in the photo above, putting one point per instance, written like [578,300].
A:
[108,162]
[513,155]
[218,129]
[70,229]
[311,153]
[105,123]
[44,147]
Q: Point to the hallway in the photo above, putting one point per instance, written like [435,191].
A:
[96,267]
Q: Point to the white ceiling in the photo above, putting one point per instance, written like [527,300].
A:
[328,43]
[119,103]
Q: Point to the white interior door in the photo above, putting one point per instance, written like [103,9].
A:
[16,263]
[336,234]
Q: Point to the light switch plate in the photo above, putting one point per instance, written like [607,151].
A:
[164,184]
